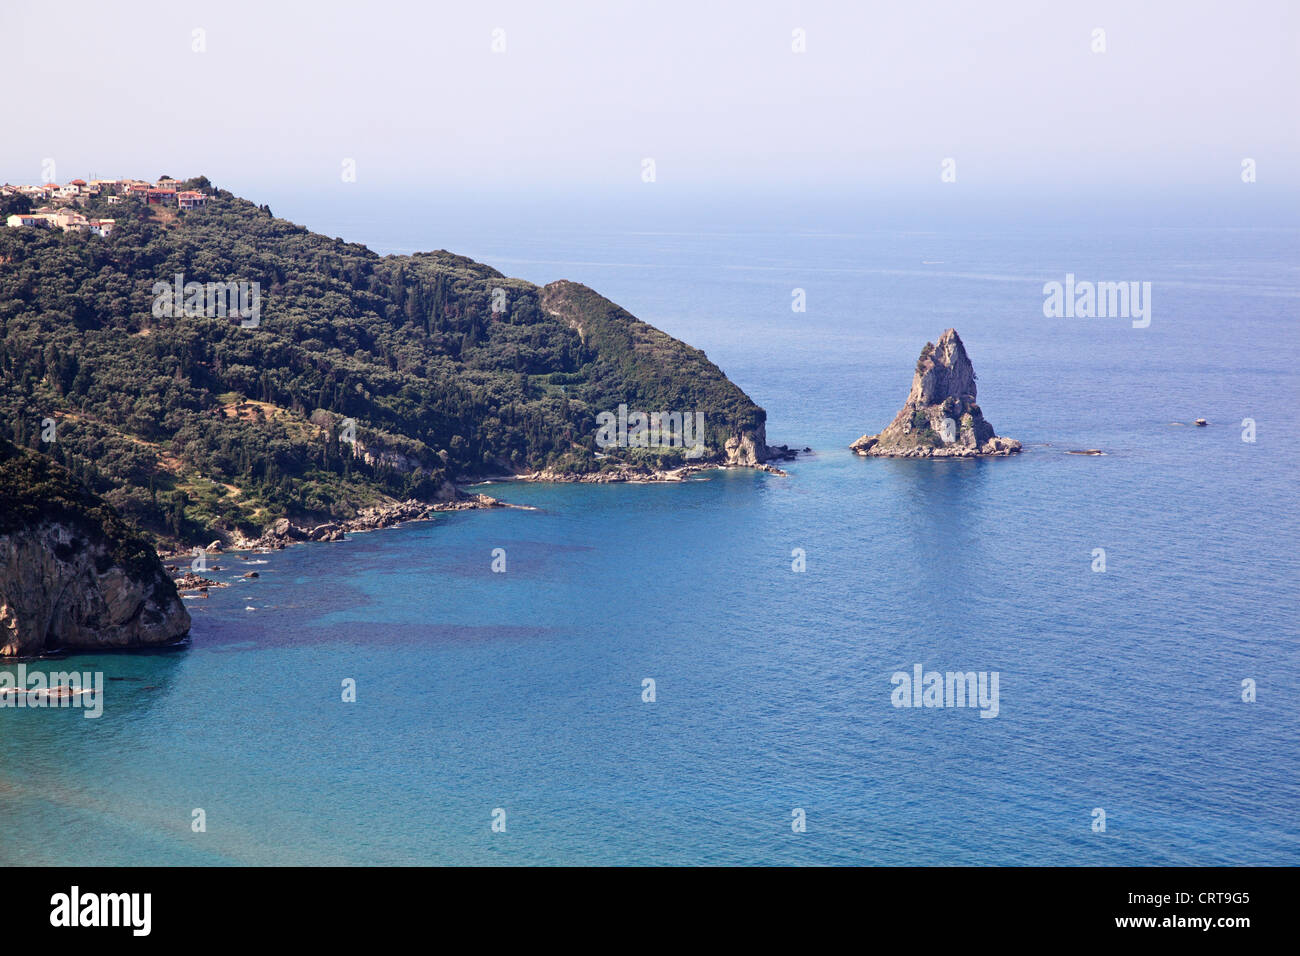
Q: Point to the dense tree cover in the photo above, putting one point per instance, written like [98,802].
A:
[191,425]
[17,204]
[34,489]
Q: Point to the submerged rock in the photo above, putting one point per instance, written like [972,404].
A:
[189,581]
[940,418]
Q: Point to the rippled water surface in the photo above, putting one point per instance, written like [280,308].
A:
[523,691]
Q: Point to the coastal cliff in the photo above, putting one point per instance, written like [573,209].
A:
[72,574]
[940,418]
[666,375]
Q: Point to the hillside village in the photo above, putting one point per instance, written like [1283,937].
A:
[66,199]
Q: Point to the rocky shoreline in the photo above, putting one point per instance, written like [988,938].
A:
[993,448]
[640,474]
[285,532]
[633,475]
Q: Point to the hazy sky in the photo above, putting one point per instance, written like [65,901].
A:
[713,92]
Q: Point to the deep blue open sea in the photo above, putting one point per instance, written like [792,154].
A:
[1119,690]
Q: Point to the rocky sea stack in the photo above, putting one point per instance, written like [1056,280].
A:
[73,575]
[940,418]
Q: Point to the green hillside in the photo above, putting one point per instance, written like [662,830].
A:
[194,425]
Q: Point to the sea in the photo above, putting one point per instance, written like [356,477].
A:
[709,673]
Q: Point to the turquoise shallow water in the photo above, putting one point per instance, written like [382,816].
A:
[522,690]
